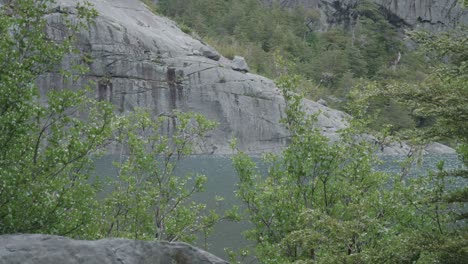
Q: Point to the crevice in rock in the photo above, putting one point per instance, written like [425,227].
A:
[202,70]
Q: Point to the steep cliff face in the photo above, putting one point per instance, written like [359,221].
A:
[429,14]
[138,59]
[433,15]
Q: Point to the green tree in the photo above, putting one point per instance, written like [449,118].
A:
[321,202]
[443,98]
[438,198]
[50,140]
[47,141]
[148,200]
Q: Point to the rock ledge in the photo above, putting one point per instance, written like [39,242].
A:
[47,249]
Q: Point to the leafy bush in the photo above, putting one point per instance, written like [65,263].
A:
[50,141]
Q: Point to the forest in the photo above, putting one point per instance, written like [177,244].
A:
[317,202]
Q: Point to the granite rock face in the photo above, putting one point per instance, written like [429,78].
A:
[139,59]
[46,249]
[434,15]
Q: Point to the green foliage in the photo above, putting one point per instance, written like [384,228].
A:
[440,101]
[380,111]
[50,141]
[441,98]
[148,200]
[228,26]
[151,5]
[47,140]
[320,202]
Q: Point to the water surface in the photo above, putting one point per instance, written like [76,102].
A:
[222,181]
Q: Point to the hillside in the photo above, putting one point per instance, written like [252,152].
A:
[138,59]
[335,45]
[431,15]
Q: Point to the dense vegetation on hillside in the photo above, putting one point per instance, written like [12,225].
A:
[331,62]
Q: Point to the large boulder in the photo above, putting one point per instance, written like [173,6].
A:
[239,64]
[46,249]
[437,148]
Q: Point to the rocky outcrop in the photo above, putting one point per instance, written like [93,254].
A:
[437,148]
[435,15]
[46,249]
[239,64]
[138,59]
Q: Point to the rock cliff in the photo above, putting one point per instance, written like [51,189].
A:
[138,59]
[433,15]
[46,249]
[430,14]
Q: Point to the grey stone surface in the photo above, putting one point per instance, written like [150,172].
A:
[437,148]
[322,102]
[430,14]
[239,64]
[46,249]
[143,60]
[433,15]
[210,53]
